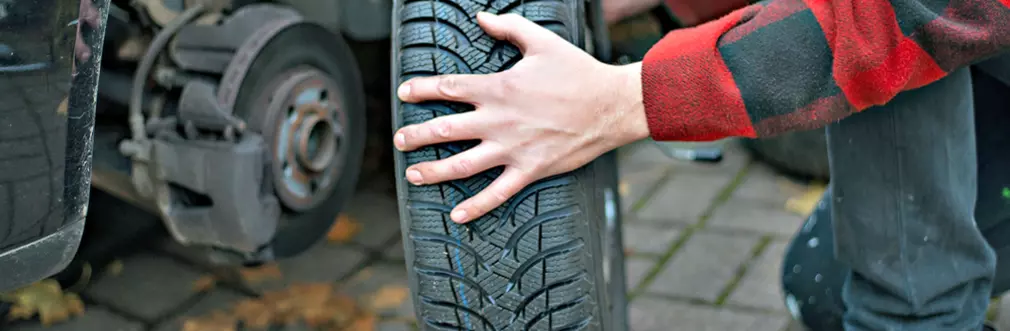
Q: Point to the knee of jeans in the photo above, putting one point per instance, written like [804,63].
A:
[811,278]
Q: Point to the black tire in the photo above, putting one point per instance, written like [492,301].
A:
[539,270]
[803,154]
[309,45]
[613,240]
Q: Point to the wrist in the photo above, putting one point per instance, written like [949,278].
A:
[629,107]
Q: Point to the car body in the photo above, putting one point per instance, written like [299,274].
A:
[47,102]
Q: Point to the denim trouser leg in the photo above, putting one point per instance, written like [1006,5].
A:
[904,186]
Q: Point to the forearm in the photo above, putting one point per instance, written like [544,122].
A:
[782,65]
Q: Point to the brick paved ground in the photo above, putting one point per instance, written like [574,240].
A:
[705,255]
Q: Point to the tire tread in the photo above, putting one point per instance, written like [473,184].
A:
[528,264]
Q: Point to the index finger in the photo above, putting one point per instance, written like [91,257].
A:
[460,88]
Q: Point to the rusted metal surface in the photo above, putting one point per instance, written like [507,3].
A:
[236,71]
[210,48]
[304,124]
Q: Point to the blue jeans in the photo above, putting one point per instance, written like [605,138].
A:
[894,244]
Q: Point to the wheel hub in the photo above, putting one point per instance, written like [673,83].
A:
[306,140]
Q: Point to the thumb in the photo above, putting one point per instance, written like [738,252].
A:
[515,29]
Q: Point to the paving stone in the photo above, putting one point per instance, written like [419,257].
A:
[704,266]
[218,299]
[149,286]
[755,216]
[764,184]
[395,252]
[734,159]
[378,215]
[95,318]
[635,269]
[324,262]
[647,239]
[394,326]
[641,157]
[372,279]
[648,314]
[636,187]
[645,155]
[683,199]
[761,286]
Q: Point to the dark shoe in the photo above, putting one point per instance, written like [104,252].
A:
[987,327]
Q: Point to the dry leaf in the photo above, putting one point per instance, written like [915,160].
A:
[343,308]
[254,314]
[362,275]
[363,323]
[46,299]
[315,305]
[805,203]
[204,284]
[256,275]
[62,108]
[391,296]
[623,188]
[343,230]
[217,321]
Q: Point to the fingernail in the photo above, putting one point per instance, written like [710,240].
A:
[458,216]
[403,92]
[414,177]
[400,140]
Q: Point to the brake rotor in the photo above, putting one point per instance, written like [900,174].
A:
[305,129]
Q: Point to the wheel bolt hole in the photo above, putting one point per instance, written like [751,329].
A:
[323,95]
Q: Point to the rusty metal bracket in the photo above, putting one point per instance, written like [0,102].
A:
[237,211]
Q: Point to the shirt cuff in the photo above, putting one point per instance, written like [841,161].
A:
[688,91]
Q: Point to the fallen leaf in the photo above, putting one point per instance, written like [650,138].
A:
[362,275]
[343,230]
[805,203]
[623,188]
[45,299]
[254,314]
[391,296]
[315,305]
[62,108]
[343,308]
[366,322]
[260,274]
[217,321]
[204,284]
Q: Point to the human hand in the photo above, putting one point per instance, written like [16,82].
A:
[554,111]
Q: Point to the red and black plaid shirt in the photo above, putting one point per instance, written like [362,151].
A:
[784,65]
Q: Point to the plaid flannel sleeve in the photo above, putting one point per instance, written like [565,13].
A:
[783,65]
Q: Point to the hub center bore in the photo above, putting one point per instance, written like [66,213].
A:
[317,142]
